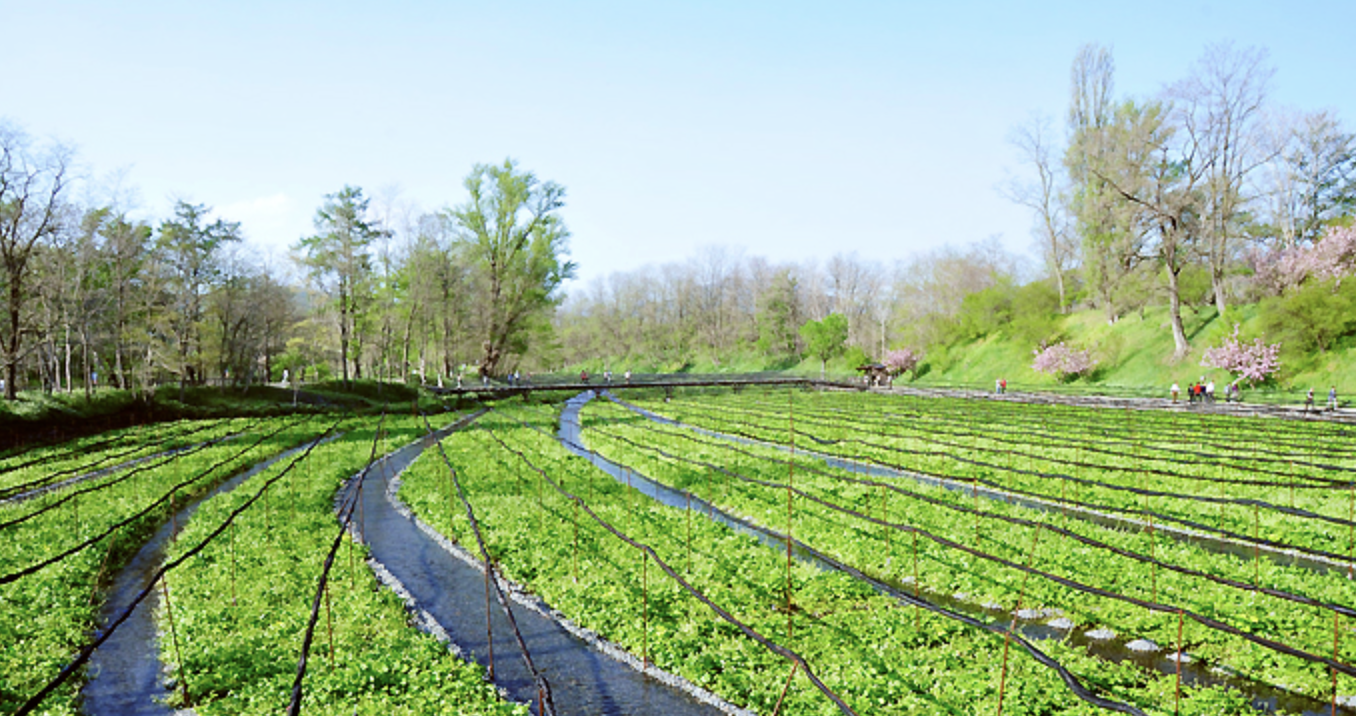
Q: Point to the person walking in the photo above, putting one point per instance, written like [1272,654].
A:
[998,386]
[1309,400]
[1210,391]
[1332,398]
[1175,391]
[1003,386]
[627,375]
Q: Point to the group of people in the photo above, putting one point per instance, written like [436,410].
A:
[1000,386]
[607,376]
[1203,391]
[1332,399]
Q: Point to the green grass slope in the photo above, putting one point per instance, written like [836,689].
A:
[1134,355]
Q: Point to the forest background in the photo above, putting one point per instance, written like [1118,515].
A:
[1162,227]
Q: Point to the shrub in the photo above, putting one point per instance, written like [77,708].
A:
[1062,361]
[1254,362]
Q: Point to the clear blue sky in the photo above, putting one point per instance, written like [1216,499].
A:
[792,130]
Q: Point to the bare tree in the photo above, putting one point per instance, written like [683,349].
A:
[1313,179]
[1042,195]
[32,187]
[1220,106]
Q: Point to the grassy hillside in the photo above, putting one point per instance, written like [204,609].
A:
[1135,354]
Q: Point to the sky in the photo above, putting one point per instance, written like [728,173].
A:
[789,130]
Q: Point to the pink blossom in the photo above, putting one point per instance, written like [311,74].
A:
[1253,362]
[1333,257]
[904,359]
[1062,361]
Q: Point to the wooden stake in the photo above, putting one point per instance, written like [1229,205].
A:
[916,609]
[688,495]
[112,539]
[1336,635]
[794,665]
[790,475]
[1256,546]
[1153,564]
[233,603]
[645,611]
[174,637]
[1177,706]
[1007,636]
[489,627]
[329,623]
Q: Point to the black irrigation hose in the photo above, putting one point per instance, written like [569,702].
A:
[1089,541]
[12,490]
[1073,584]
[1094,420]
[748,631]
[294,706]
[548,705]
[168,458]
[80,659]
[1027,430]
[38,566]
[68,452]
[1089,446]
[138,470]
[1249,502]
[1255,409]
[1063,502]
[1281,433]
[1153,440]
[1070,680]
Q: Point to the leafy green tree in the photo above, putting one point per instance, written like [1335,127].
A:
[190,248]
[515,240]
[1311,317]
[777,318]
[339,261]
[825,339]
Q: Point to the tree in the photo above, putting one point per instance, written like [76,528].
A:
[1054,236]
[32,187]
[825,339]
[902,359]
[778,315]
[1219,109]
[513,235]
[190,248]
[338,259]
[1315,179]
[1109,254]
[1062,361]
[124,251]
[1254,362]
[1160,185]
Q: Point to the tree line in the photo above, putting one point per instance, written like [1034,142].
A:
[1199,197]
[94,296]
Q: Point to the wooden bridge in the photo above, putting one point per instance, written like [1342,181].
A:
[496,391]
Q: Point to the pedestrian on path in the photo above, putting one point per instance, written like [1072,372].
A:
[1309,400]
[1175,391]
[1332,398]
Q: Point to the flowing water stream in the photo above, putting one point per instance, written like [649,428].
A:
[1115,648]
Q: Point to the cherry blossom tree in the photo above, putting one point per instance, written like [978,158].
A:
[1254,362]
[1332,257]
[1062,361]
[900,360]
